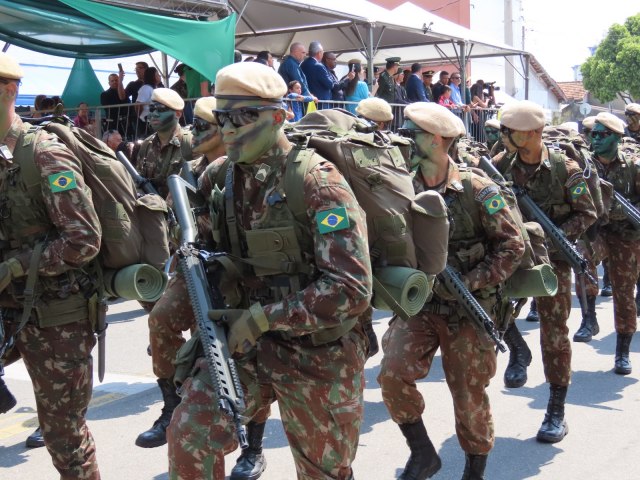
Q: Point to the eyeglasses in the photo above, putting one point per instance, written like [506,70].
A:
[158,107]
[200,125]
[6,81]
[631,114]
[601,134]
[408,132]
[455,78]
[240,117]
[505,130]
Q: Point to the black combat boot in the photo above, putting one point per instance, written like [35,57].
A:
[622,362]
[7,400]
[589,326]
[515,376]
[251,462]
[424,461]
[533,312]
[607,290]
[474,467]
[554,428]
[35,440]
[157,434]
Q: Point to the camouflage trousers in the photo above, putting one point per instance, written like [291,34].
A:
[593,252]
[623,257]
[171,315]
[554,333]
[60,365]
[469,363]
[321,418]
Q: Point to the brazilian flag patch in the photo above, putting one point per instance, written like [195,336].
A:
[332,220]
[63,181]
[578,190]
[494,204]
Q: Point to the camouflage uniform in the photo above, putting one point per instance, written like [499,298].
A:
[486,246]
[386,87]
[156,162]
[573,211]
[56,342]
[319,388]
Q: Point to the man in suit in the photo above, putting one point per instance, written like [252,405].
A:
[415,87]
[330,60]
[318,78]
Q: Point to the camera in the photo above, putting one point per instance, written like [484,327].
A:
[488,85]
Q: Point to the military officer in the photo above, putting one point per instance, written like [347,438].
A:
[386,83]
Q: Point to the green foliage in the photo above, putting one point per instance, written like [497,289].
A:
[615,65]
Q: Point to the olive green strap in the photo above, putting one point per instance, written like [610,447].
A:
[299,163]
[230,212]
[29,290]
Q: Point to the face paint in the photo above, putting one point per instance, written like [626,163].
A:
[205,136]
[249,141]
[161,118]
[492,134]
[423,142]
[604,141]
[633,119]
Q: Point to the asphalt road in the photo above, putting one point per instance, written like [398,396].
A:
[603,412]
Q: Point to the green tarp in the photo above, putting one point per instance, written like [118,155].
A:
[82,86]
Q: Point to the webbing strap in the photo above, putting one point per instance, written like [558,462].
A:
[232,223]
[29,290]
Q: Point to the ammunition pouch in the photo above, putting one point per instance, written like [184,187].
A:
[317,339]
[61,311]
[185,360]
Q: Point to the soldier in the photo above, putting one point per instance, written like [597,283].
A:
[485,246]
[375,110]
[386,83]
[556,184]
[492,132]
[632,112]
[172,314]
[46,248]
[297,337]
[164,152]
[622,241]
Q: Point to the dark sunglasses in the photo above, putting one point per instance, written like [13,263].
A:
[455,78]
[200,125]
[505,130]
[7,81]
[601,134]
[240,117]
[158,107]
[408,132]
[632,114]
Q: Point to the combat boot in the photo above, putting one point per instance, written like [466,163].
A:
[424,461]
[7,400]
[554,427]
[35,440]
[533,312]
[474,467]
[607,290]
[515,376]
[157,434]
[622,362]
[589,326]
[251,462]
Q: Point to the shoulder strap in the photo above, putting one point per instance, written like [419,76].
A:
[300,162]
[24,155]
[467,197]
[185,146]
[230,213]
[558,166]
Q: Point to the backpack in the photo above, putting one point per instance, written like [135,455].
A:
[134,227]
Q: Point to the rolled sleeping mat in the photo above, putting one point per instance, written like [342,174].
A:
[136,282]
[407,286]
[539,281]
[430,231]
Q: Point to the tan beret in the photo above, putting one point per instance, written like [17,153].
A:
[9,68]
[589,122]
[493,123]
[250,80]
[433,118]
[375,109]
[168,97]
[204,109]
[610,121]
[572,126]
[632,108]
[522,116]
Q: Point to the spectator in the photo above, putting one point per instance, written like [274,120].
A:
[197,84]
[37,106]
[437,88]
[407,75]
[82,120]
[386,82]
[330,60]
[265,58]
[400,94]
[237,56]
[296,100]
[290,67]
[115,142]
[445,98]
[478,96]
[116,117]
[47,106]
[318,78]
[131,91]
[180,86]
[427,78]
[374,84]
[415,87]
[456,96]
[151,82]
[356,89]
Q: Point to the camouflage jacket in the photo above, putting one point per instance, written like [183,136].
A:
[485,244]
[572,209]
[73,232]
[339,289]
[386,87]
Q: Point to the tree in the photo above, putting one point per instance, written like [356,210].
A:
[614,67]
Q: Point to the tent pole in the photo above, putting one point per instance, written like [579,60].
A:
[165,70]
[370,56]
[526,77]
[6,47]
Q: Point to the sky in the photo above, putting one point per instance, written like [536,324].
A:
[560,32]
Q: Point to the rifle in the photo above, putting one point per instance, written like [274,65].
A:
[141,182]
[629,210]
[533,212]
[205,296]
[450,278]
